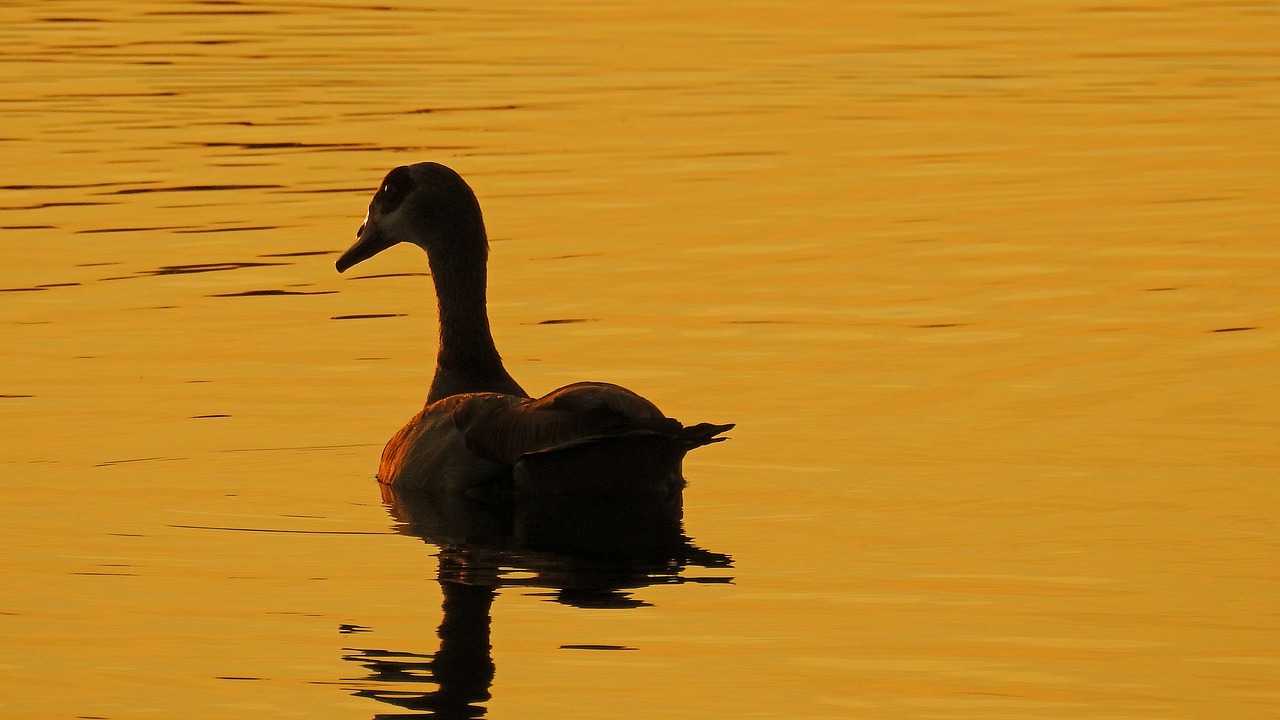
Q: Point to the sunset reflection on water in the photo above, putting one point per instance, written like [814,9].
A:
[989,292]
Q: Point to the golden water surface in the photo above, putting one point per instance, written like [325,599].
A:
[992,291]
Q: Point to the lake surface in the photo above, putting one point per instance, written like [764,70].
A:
[990,291]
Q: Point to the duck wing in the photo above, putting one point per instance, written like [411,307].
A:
[504,430]
[582,439]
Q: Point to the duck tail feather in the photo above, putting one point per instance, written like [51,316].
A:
[705,434]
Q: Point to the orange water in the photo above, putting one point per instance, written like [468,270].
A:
[991,294]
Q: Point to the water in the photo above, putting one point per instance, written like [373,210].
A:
[990,292]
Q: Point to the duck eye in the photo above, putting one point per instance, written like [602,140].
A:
[388,189]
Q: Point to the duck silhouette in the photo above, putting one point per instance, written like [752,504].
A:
[481,438]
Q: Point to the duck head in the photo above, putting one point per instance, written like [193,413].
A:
[426,204]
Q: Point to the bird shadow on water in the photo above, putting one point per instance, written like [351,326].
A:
[586,553]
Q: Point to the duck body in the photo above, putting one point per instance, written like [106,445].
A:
[481,438]
[588,438]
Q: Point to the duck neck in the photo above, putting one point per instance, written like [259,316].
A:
[467,360]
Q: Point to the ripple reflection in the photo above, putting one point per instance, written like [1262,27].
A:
[602,554]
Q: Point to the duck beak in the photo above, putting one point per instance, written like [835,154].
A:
[369,242]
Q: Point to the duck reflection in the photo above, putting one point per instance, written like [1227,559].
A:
[462,670]
[585,553]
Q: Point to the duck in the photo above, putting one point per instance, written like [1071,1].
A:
[481,438]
